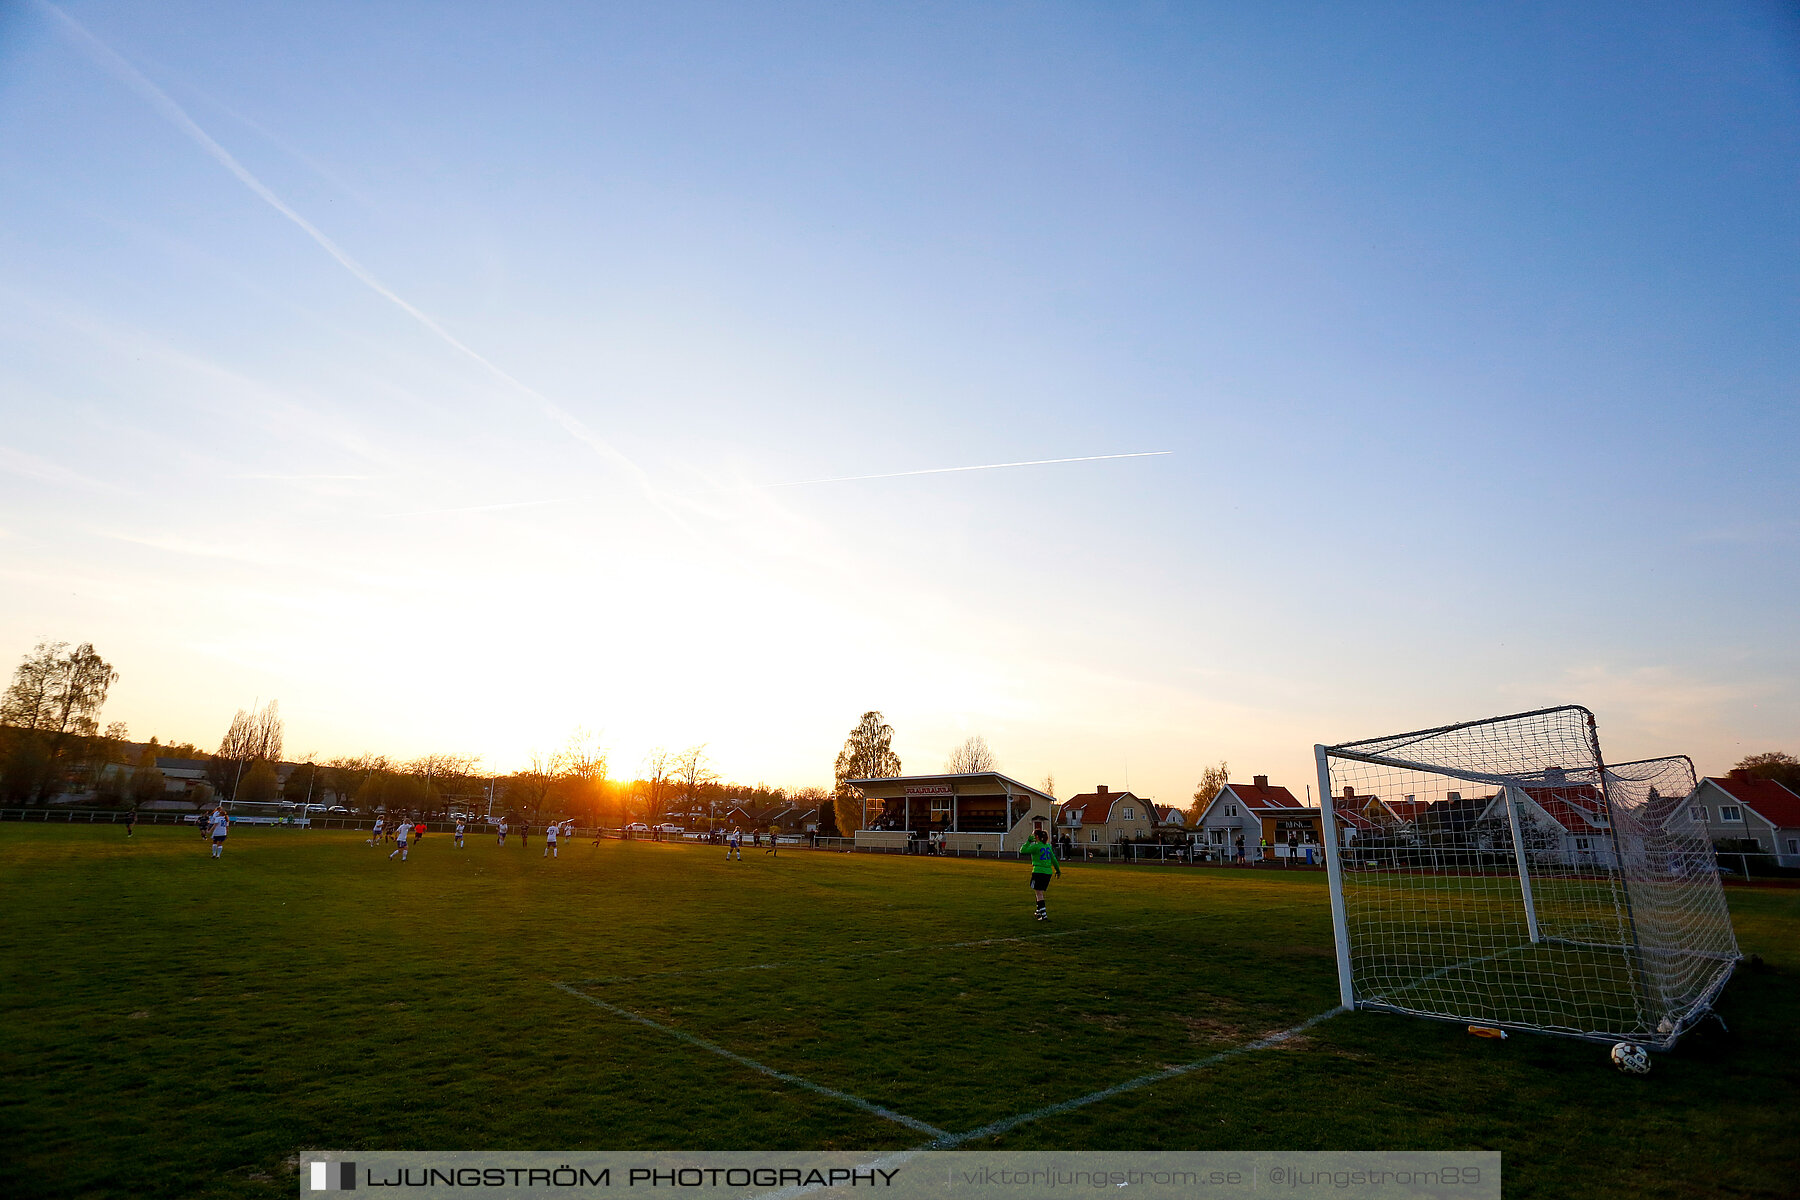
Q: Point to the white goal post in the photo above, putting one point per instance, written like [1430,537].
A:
[1501,873]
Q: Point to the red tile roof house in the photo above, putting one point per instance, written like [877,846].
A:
[1103,817]
[1561,822]
[1743,807]
[1256,812]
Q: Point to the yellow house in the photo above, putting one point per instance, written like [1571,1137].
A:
[1102,817]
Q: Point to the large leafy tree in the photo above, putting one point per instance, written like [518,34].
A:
[1211,781]
[53,706]
[1778,765]
[868,753]
[260,783]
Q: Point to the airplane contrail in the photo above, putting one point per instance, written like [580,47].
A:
[1035,462]
[177,116]
[437,512]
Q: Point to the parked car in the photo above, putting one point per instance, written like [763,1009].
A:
[338,810]
[637,827]
[670,827]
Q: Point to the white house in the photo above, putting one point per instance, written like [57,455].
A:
[1565,823]
[1246,815]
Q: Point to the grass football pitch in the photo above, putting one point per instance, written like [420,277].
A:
[179,1026]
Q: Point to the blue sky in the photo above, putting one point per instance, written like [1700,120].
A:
[1468,330]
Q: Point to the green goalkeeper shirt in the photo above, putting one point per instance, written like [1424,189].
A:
[1042,856]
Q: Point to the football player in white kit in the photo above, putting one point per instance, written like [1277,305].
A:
[375,833]
[735,842]
[550,832]
[502,839]
[459,833]
[220,825]
[402,832]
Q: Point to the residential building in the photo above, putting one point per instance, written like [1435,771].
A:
[1741,807]
[1103,817]
[1260,814]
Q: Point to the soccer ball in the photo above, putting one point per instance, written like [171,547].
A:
[1633,1060]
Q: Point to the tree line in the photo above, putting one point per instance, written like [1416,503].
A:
[51,743]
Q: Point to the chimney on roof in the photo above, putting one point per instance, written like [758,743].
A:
[1739,774]
[1349,792]
[1260,780]
[1100,789]
[1453,797]
[1554,776]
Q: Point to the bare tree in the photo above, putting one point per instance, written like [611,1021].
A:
[1211,780]
[147,781]
[1049,785]
[580,769]
[438,775]
[659,764]
[692,770]
[254,736]
[348,775]
[970,757]
[528,790]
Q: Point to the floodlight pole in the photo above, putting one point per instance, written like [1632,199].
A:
[1334,879]
[1518,839]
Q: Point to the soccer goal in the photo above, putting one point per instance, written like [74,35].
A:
[1500,873]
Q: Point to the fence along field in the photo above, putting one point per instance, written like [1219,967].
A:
[179,1026]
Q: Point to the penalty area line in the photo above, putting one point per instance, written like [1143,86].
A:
[886,1114]
[1008,1124]
[951,1141]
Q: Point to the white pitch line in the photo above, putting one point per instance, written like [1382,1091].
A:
[886,1114]
[812,962]
[994,1129]
[1006,1125]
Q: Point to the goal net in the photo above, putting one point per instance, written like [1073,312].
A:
[1500,873]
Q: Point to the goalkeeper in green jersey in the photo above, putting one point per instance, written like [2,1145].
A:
[1038,849]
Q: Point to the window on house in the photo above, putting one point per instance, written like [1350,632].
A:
[1698,812]
[1128,814]
[1581,843]
[1794,845]
[940,808]
[1730,812]
[1231,810]
[1093,835]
